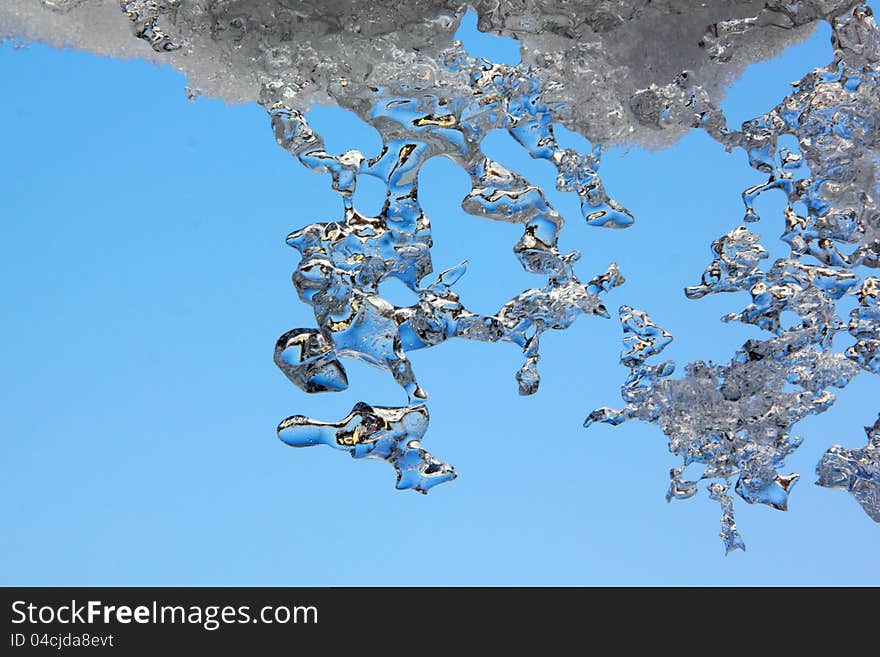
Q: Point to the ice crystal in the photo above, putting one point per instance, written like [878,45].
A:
[735,419]
[617,71]
[391,434]
[343,262]
[856,471]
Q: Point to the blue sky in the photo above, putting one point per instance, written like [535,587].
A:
[145,279]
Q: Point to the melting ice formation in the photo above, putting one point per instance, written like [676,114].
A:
[735,419]
[856,471]
[617,72]
[343,262]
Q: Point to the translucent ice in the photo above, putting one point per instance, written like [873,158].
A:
[735,420]
[344,261]
[617,71]
[391,434]
[856,471]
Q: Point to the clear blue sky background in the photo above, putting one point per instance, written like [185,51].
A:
[145,279]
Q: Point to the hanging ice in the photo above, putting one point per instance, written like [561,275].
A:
[617,72]
[735,419]
[344,261]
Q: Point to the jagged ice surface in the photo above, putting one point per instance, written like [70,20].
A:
[617,72]
[594,55]
[735,419]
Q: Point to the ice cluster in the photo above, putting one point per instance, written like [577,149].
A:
[856,471]
[617,71]
[735,420]
[344,261]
